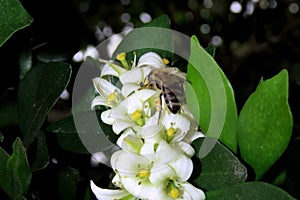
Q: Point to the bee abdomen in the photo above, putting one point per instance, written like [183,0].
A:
[171,100]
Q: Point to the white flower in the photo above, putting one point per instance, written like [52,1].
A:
[109,95]
[152,60]
[133,112]
[107,194]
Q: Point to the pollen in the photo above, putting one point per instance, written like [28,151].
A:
[174,193]
[144,173]
[112,97]
[165,61]
[171,131]
[121,56]
[136,115]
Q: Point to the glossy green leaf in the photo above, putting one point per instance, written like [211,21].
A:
[220,168]
[42,158]
[67,135]
[249,190]
[137,42]
[211,97]
[67,179]
[15,171]
[265,124]
[38,92]
[13,17]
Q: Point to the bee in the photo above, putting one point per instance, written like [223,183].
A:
[170,81]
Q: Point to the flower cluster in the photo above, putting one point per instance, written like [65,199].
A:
[154,160]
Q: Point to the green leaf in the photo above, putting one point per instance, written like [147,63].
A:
[67,135]
[8,114]
[15,171]
[42,158]
[265,124]
[210,97]
[141,41]
[249,190]
[38,92]
[67,179]
[220,168]
[13,17]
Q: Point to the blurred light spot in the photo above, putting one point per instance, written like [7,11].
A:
[204,13]
[125,2]
[205,28]
[189,16]
[99,34]
[255,1]
[101,24]
[125,17]
[113,43]
[78,57]
[82,54]
[145,17]
[65,95]
[273,4]
[128,27]
[84,6]
[235,7]
[107,31]
[208,3]
[293,8]
[216,40]
[54,160]
[263,4]
[249,8]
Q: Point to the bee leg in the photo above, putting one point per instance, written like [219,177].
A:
[159,107]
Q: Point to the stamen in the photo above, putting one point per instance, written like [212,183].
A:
[122,58]
[165,61]
[144,173]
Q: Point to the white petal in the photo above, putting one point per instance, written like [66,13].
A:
[132,76]
[183,167]
[103,87]
[105,117]
[160,194]
[186,148]
[99,101]
[128,88]
[151,132]
[192,193]
[120,125]
[138,189]
[116,70]
[127,132]
[192,135]
[161,173]
[106,194]
[128,164]
[165,153]
[151,59]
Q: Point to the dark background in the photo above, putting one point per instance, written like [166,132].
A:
[254,44]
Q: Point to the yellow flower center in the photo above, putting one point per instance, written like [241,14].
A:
[165,61]
[144,173]
[112,97]
[137,117]
[174,193]
[121,56]
[171,131]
